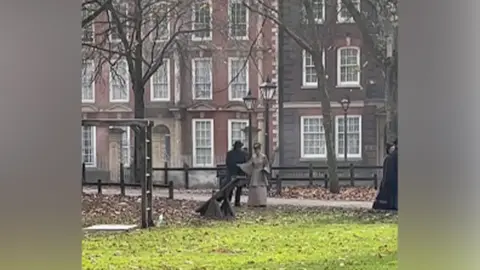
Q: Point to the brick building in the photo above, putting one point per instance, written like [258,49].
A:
[349,73]
[195,98]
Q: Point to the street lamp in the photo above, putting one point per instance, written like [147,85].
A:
[345,102]
[250,103]
[267,89]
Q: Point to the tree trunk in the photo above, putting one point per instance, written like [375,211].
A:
[139,97]
[391,88]
[334,185]
[140,136]
[327,125]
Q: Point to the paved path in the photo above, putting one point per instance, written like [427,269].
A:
[182,195]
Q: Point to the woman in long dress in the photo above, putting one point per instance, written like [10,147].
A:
[387,196]
[257,168]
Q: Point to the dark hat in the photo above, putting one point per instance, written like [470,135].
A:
[237,144]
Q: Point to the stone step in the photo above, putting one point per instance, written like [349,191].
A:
[110,228]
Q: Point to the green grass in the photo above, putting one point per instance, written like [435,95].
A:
[297,240]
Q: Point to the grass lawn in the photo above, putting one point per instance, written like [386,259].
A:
[261,239]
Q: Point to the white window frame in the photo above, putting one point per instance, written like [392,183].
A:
[194,61]
[113,24]
[166,64]
[247,18]
[92,26]
[91,63]
[194,141]
[230,131]
[153,34]
[340,18]
[317,20]
[231,76]
[304,68]
[349,156]
[339,61]
[126,82]
[94,146]
[127,147]
[302,140]
[197,38]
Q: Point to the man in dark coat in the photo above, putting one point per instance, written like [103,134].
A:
[234,157]
[387,197]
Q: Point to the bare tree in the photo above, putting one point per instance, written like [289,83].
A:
[91,9]
[312,33]
[378,23]
[132,39]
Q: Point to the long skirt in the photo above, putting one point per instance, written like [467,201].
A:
[257,196]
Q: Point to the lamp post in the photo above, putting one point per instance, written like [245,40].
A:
[268,92]
[250,103]
[345,102]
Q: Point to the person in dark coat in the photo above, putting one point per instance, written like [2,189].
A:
[387,197]
[234,157]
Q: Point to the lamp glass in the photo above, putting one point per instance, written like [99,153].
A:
[249,101]
[268,92]
[268,89]
[345,102]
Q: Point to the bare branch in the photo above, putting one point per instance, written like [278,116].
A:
[366,24]
[159,60]
[249,55]
[102,49]
[271,14]
[96,11]
[150,31]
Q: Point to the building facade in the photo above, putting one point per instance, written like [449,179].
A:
[349,73]
[195,98]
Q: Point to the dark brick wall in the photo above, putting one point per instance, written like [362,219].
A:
[292,149]
[292,90]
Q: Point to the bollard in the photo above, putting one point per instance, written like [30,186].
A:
[170,190]
[99,186]
[352,175]
[122,180]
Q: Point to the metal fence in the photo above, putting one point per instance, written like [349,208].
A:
[121,183]
[311,175]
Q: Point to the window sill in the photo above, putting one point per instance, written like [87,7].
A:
[339,159]
[308,87]
[311,159]
[159,100]
[88,101]
[202,39]
[345,22]
[238,38]
[349,160]
[353,85]
[119,101]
